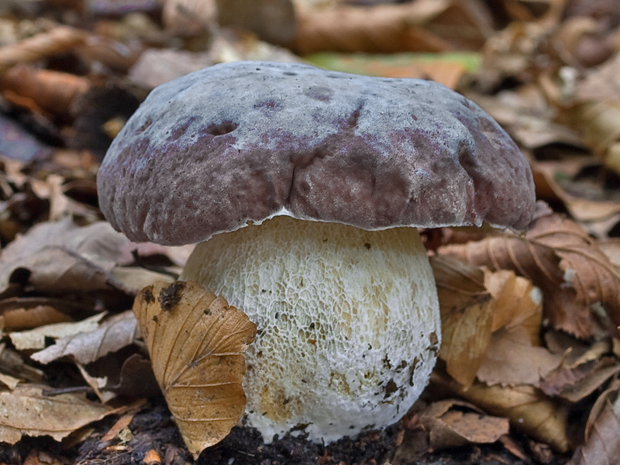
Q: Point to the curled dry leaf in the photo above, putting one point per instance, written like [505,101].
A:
[526,407]
[87,346]
[52,91]
[35,338]
[575,383]
[559,257]
[28,411]
[595,111]
[196,342]
[453,423]
[61,256]
[43,45]
[416,26]
[466,316]
[602,443]
[512,360]
[474,303]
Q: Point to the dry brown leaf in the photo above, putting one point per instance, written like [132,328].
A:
[53,91]
[527,408]
[26,411]
[476,302]
[424,25]
[517,303]
[35,338]
[62,256]
[559,257]
[512,359]
[33,317]
[575,383]
[466,316]
[602,445]
[196,342]
[89,345]
[596,216]
[594,109]
[45,44]
[449,426]
[13,364]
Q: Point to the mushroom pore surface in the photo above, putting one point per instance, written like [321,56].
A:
[348,321]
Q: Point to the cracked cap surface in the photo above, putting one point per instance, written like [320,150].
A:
[246,141]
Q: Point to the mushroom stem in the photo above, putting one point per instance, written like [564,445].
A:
[348,321]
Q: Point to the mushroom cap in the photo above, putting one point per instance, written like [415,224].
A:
[247,141]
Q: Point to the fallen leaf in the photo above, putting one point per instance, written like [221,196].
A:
[26,411]
[512,359]
[562,260]
[38,315]
[121,423]
[35,338]
[196,342]
[602,445]
[88,344]
[575,383]
[12,363]
[528,409]
[416,26]
[135,378]
[476,302]
[9,381]
[449,426]
[518,303]
[63,256]
[466,316]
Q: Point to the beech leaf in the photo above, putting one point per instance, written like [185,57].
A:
[27,411]
[87,346]
[559,257]
[526,407]
[602,444]
[449,426]
[476,302]
[196,342]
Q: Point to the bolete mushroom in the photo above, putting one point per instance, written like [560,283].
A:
[304,189]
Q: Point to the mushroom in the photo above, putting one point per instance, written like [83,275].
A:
[304,189]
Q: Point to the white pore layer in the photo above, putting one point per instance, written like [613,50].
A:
[348,322]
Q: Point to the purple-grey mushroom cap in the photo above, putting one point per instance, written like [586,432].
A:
[246,141]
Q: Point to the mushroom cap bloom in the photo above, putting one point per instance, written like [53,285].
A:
[246,141]
[345,305]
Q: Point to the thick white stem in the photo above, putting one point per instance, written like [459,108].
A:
[348,321]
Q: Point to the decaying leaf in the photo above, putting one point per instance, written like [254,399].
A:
[466,316]
[89,345]
[474,303]
[559,257]
[512,360]
[415,26]
[602,445]
[526,406]
[62,256]
[453,423]
[196,342]
[27,411]
[35,338]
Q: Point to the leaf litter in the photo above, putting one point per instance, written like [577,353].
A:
[530,321]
